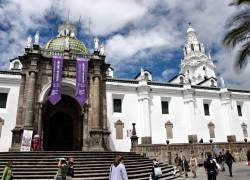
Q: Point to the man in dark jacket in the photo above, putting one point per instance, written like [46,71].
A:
[229,159]
[210,167]
[177,161]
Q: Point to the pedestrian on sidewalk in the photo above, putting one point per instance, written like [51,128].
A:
[222,160]
[185,166]
[7,172]
[229,159]
[210,167]
[177,162]
[156,170]
[248,157]
[193,164]
[62,169]
[70,172]
[118,170]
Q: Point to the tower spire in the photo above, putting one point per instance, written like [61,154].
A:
[196,64]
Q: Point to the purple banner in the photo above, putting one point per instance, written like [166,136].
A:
[81,80]
[55,94]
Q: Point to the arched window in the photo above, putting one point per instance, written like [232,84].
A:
[212,83]
[204,68]
[211,128]
[146,76]
[192,47]
[169,129]
[200,47]
[185,50]
[16,65]
[244,129]
[181,80]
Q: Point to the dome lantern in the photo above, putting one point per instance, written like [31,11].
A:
[66,40]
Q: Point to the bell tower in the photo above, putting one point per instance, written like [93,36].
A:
[196,65]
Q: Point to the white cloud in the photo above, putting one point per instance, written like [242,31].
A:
[134,30]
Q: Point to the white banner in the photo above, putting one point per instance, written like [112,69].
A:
[26,140]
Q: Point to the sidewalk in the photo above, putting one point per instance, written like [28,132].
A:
[240,172]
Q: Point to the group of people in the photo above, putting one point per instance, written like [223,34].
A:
[211,164]
[118,170]
[183,165]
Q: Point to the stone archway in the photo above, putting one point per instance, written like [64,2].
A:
[62,125]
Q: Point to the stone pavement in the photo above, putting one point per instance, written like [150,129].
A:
[240,172]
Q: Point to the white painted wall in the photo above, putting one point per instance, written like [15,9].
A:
[10,84]
[184,122]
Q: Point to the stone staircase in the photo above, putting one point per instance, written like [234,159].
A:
[88,165]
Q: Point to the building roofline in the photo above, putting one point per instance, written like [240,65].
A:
[10,72]
[175,77]
[138,74]
[205,80]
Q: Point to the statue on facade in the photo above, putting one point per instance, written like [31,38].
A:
[142,73]
[102,49]
[96,44]
[66,43]
[66,32]
[29,42]
[72,34]
[222,82]
[37,37]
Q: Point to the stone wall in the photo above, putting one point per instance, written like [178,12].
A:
[167,152]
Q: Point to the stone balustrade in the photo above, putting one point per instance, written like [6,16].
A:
[167,152]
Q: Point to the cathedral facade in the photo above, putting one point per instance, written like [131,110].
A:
[190,107]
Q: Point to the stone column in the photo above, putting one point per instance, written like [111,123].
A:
[18,130]
[39,127]
[96,141]
[96,102]
[20,102]
[85,146]
[28,121]
[106,132]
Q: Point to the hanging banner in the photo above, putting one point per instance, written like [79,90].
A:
[55,95]
[26,140]
[81,80]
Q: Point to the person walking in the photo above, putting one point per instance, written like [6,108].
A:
[210,167]
[118,170]
[185,166]
[248,157]
[229,159]
[7,172]
[193,164]
[70,172]
[62,169]
[177,162]
[222,161]
[156,170]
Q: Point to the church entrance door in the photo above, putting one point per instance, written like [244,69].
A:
[62,125]
[60,132]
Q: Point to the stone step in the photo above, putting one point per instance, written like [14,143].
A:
[88,165]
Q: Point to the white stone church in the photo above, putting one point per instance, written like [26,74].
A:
[189,107]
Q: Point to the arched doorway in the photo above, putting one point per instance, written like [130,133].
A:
[62,125]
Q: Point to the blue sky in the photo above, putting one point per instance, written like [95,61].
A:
[136,33]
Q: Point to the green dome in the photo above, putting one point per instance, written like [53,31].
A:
[58,44]
[66,40]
